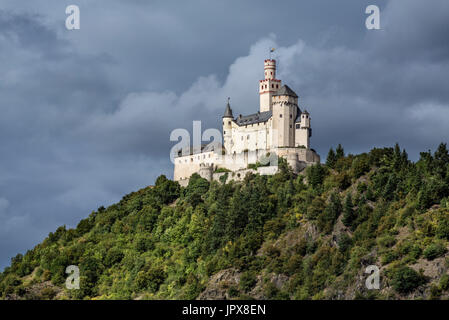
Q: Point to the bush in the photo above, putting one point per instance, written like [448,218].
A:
[345,242]
[150,279]
[444,282]
[247,281]
[388,257]
[115,255]
[434,250]
[233,292]
[406,279]
[442,230]
[48,293]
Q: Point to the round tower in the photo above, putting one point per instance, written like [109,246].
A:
[206,171]
[270,69]
[228,118]
[269,85]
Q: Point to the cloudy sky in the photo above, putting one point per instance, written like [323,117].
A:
[86,115]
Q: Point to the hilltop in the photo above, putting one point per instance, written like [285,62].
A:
[286,236]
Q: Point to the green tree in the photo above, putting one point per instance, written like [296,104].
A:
[348,211]
[339,152]
[333,209]
[331,158]
[196,188]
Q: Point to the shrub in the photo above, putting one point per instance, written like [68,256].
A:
[247,281]
[442,230]
[233,292]
[115,255]
[406,279]
[150,279]
[389,257]
[444,282]
[48,293]
[433,251]
[345,242]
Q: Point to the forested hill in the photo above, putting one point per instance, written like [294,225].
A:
[309,236]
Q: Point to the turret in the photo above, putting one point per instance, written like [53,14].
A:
[269,85]
[228,118]
[303,131]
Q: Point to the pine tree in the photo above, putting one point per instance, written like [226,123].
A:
[441,160]
[397,158]
[340,152]
[348,211]
[331,158]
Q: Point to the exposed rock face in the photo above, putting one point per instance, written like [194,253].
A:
[39,291]
[219,283]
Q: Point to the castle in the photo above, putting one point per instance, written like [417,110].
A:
[252,143]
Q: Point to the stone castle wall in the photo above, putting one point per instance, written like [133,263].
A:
[206,164]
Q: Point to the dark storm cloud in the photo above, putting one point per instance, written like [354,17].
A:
[86,115]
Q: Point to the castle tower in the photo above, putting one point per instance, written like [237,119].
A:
[285,111]
[227,128]
[303,131]
[269,85]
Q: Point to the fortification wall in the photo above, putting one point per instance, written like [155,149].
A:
[205,165]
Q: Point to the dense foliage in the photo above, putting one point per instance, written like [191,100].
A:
[319,230]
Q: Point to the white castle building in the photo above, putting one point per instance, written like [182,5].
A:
[279,128]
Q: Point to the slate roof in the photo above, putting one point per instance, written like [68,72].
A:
[253,118]
[228,112]
[286,91]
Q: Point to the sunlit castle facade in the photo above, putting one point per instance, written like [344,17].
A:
[279,128]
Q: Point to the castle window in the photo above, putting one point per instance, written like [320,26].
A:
[277,86]
[291,116]
[229,122]
[247,137]
[224,132]
[290,126]
[298,126]
[272,85]
[280,116]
